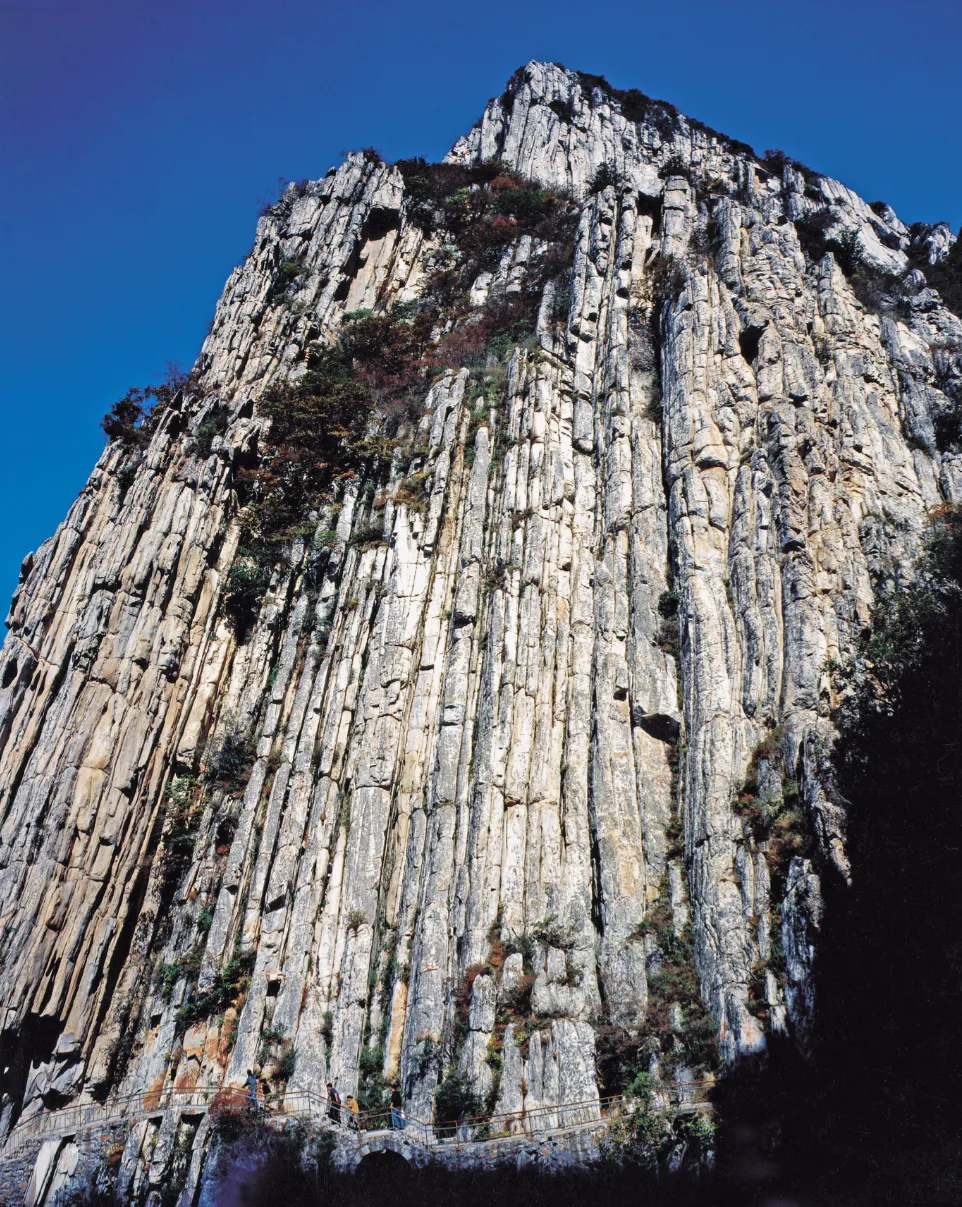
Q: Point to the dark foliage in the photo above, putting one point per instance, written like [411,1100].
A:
[337,419]
[734,145]
[675,165]
[181,817]
[231,761]
[777,161]
[813,235]
[668,278]
[455,1099]
[900,767]
[877,291]
[286,274]
[281,1174]
[483,213]
[429,185]
[490,331]
[320,429]
[634,104]
[606,175]
[281,202]
[245,584]
[214,425]
[131,418]
[619,1056]
[125,418]
[228,984]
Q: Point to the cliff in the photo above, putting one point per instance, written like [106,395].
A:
[485,728]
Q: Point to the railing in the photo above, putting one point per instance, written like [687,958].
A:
[306,1104]
[472,1129]
[91,1114]
[530,1121]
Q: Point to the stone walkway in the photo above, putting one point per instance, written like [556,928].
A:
[552,1137]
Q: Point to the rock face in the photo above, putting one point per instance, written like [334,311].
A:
[493,733]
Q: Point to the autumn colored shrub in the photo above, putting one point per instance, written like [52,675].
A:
[231,1115]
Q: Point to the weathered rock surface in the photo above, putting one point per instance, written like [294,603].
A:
[464,731]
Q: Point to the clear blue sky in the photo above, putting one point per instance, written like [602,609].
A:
[140,136]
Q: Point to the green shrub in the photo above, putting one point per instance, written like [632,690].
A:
[606,176]
[373,1093]
[287,272]
[131,418]
[668,278]
[621,1056]
[675,165]
[455,1099]
[124,421]
[411,491]
[698,1127]
[245,584]
[182,815]
[230,764]
[551,933]
[528,206]
[641,1086]
[215,424]
[228,984]
[286,1063]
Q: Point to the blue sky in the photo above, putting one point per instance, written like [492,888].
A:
[140,137]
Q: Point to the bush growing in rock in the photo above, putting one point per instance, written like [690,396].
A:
[215,424]
[231,761]
[229,982]
[606,176]
[130,418]
[454,1099]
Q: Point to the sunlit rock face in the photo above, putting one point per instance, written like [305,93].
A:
[493,735]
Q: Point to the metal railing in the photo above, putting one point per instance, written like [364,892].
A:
[527,1122]
[506,1125]
[306,1104]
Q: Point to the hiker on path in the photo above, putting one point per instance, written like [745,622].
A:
[355,1111]
[334,1098]
[252,1089]
[397,1114]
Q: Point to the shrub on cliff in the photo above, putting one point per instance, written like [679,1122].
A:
[454,1099]
[321,426]
[129,419]
[228,984]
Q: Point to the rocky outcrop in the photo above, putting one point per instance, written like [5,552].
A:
[470,717]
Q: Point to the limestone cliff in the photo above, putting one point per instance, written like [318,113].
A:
[528,719]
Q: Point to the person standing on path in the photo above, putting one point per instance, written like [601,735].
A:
[397,1114]
[334,1099]
[354,1111]
[252,1089]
